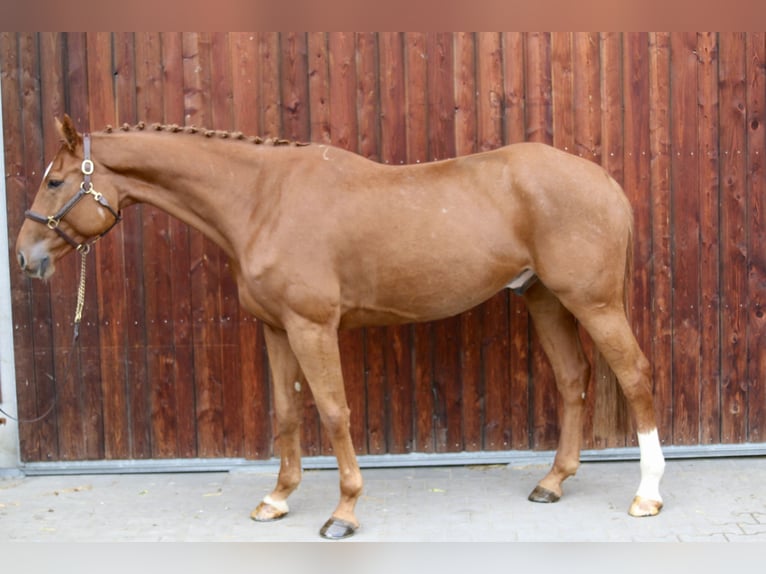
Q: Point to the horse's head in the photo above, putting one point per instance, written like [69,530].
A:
[74,206]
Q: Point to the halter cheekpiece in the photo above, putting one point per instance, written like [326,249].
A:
[86,188]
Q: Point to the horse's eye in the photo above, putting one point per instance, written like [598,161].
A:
[54,183]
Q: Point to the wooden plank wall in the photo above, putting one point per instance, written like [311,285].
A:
[170,367]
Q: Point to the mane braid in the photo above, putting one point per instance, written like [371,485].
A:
[194,130]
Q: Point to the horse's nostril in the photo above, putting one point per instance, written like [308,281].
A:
[44,263]
[22,260]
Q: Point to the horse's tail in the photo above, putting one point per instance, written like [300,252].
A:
[611,418]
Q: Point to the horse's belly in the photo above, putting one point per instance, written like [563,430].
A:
[428,299]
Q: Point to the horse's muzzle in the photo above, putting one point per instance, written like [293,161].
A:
[40,267]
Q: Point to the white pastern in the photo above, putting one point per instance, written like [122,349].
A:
[652,465]
[280,505]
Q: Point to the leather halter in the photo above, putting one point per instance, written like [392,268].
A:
[86,188]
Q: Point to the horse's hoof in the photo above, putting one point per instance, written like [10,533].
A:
[268,512]
[644,507]
[540,494]
[336,529]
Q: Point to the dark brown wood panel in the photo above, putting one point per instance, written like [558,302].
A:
[170,366]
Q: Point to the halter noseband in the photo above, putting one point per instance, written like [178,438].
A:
[86,188]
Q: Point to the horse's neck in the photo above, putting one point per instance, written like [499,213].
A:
[193,178]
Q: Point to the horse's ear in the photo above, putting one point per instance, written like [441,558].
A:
[69,136]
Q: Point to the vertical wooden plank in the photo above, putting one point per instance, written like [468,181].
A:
[636,181]
[69,412]
[254,365]
[205,268]
[137,392]
[544,423]
[587,95]
[31,436]
[755,46]
[343,118]
[733,101]
[319,102]
[417,151]
[685,241]
[155,237]
[244,81]
[612,104]
[562,86]
[377,408]
[510,405]
[271,97]
[110,253]
[222,118]
[89,390]
[494,320]
[659,144]
[367,97]
[295,100]
[393,150]
[46,369]
[709,199]
[468,101]
[610,55]
[344,129]
[180,314]
[567,109]
[319,87]
[441,133]
[392,80]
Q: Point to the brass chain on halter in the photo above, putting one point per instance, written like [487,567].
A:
[80,291]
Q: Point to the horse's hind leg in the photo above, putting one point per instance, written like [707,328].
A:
[557,330]
[288,402]
[609,328]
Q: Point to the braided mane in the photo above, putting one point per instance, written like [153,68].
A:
[175,128]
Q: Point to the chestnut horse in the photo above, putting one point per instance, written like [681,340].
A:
[322,239]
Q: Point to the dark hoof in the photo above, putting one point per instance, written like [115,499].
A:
[337,529]
[540,494]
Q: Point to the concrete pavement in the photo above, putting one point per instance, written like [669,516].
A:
[711,500]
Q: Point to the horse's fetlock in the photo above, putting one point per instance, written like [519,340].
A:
[567,469]
[352,484]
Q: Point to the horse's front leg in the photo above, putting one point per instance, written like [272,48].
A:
[288,382]
[316,347]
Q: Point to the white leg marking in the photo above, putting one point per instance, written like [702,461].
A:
[280,505]
[652,465]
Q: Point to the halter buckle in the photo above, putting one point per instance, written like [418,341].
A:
[52,222]
[90,191]
[87,167]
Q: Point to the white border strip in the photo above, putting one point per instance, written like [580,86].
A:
[9,432]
